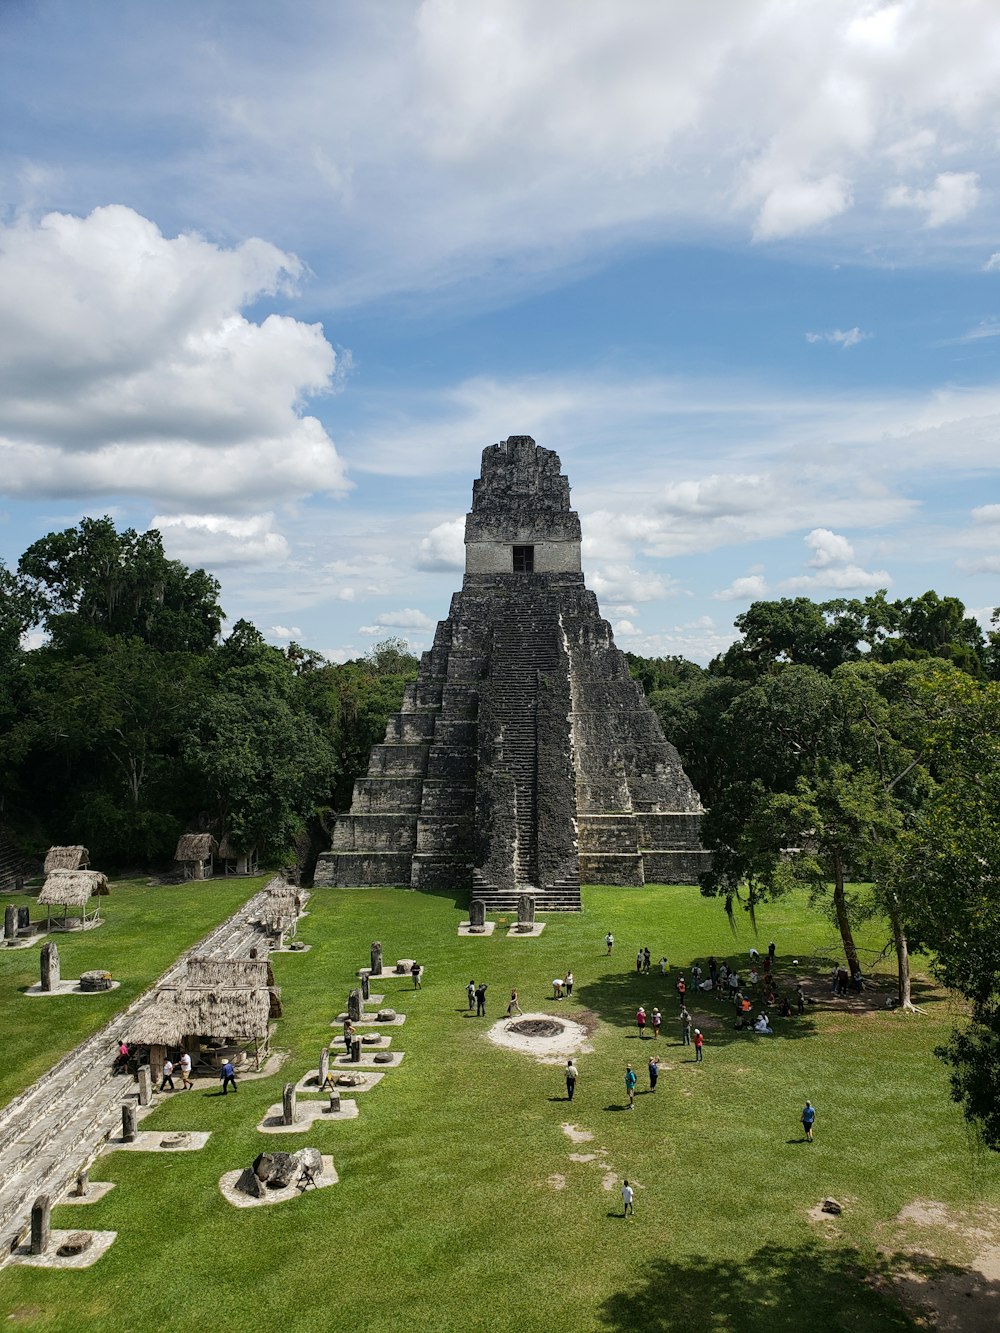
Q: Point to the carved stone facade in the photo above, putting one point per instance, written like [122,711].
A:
[525,756]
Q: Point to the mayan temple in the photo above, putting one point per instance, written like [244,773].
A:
[525,756]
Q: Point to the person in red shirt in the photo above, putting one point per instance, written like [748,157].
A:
[640,1018]
[681,989]
[699,1042]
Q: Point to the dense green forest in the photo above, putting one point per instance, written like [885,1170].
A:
[834,744]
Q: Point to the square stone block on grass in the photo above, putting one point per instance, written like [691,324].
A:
[67,987]
[307,1113]
[368,1060]
[476,932]
[382,1040]
[371,1021]
[99,1244]
[532,932]
[162,1140]
[96,1189]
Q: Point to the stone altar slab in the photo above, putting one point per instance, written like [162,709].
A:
[307,1113]
[227,1184]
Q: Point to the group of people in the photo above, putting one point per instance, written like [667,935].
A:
[477,998]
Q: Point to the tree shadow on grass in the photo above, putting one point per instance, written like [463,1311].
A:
[783,1289]
[615,997]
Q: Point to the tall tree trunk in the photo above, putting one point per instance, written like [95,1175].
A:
[902,954]
[843,920]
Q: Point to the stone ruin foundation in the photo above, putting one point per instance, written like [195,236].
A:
[525,756]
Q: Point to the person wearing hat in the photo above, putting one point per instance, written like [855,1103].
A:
[699,1042]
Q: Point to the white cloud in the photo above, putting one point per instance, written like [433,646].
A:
[833,558]
[407,618]
[986,514]
[828,548]
[624,629]
[800,205]
[986,328]
[952,197]
[746,589]
[621,583]
[844,337]
[443,547]
[218,540]
[992,264]
[286,632]
[127,367]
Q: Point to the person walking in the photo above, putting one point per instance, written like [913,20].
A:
[568,983]
[470,991]
[685,1027]
[681,989]
[415,974]
[808,1116]
[481,1000]
[654,1072]
[228,1077]
[628,1194]
[513,1004]
[186,1083]
[630,1086]
[640,1021]
[168,1076]
[699,1042]
[664,965]
[638,961]
[656,1019]
[572,1074]
[647,959]
[609,940]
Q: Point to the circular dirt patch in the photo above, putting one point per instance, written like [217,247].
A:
[551,1040]
[536,1027]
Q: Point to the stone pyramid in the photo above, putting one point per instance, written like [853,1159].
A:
[525,758]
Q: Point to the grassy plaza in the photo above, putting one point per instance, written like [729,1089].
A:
[462,1201]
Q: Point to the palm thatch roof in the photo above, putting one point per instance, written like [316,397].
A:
[196,847]
[72,888]
[281,909]
[218,997]
[66,858]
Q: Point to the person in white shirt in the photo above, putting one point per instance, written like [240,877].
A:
[168,1076]
[186,1071]
[627,1197]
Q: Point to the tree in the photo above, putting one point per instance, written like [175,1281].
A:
[93,578]
[951,862]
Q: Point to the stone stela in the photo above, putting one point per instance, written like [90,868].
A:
[48,962]
[525,756]
[376,956]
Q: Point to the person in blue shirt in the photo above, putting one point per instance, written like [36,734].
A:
[808,1116]
[228,1076]
[630,1086]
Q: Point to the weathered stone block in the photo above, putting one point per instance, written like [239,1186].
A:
[48,962]
[477,913]
[41,1224]
[288,1104]
[354,1006]
[130,1121]
[145,1085]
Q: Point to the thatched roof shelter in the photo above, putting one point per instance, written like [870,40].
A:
[239,858]
[196,852]
[218,998]
[73,888]
[66,858]
[196,847]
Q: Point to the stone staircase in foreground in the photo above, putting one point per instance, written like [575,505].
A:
[52,1130]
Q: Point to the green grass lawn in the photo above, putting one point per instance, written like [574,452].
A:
[447,1216]
[146,928]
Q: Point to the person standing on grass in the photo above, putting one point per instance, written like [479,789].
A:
[481,1000]
[628,1194]
[713,970]
[647,959]
[572,1074]
[699,1042]
[415,974]
[630,1086]
[638,961]
[808,1116]
[640,1021]
[685,1027]
[656,1019]
[654,1072]
[609,940]
[168,1075]
[513,1004]
[470,991]
[348,1036]
[568,983]
[681,989]
[664,965]
[186,1083]
[800,999]
[228,1076]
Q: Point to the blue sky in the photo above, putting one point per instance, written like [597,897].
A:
[270,280]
